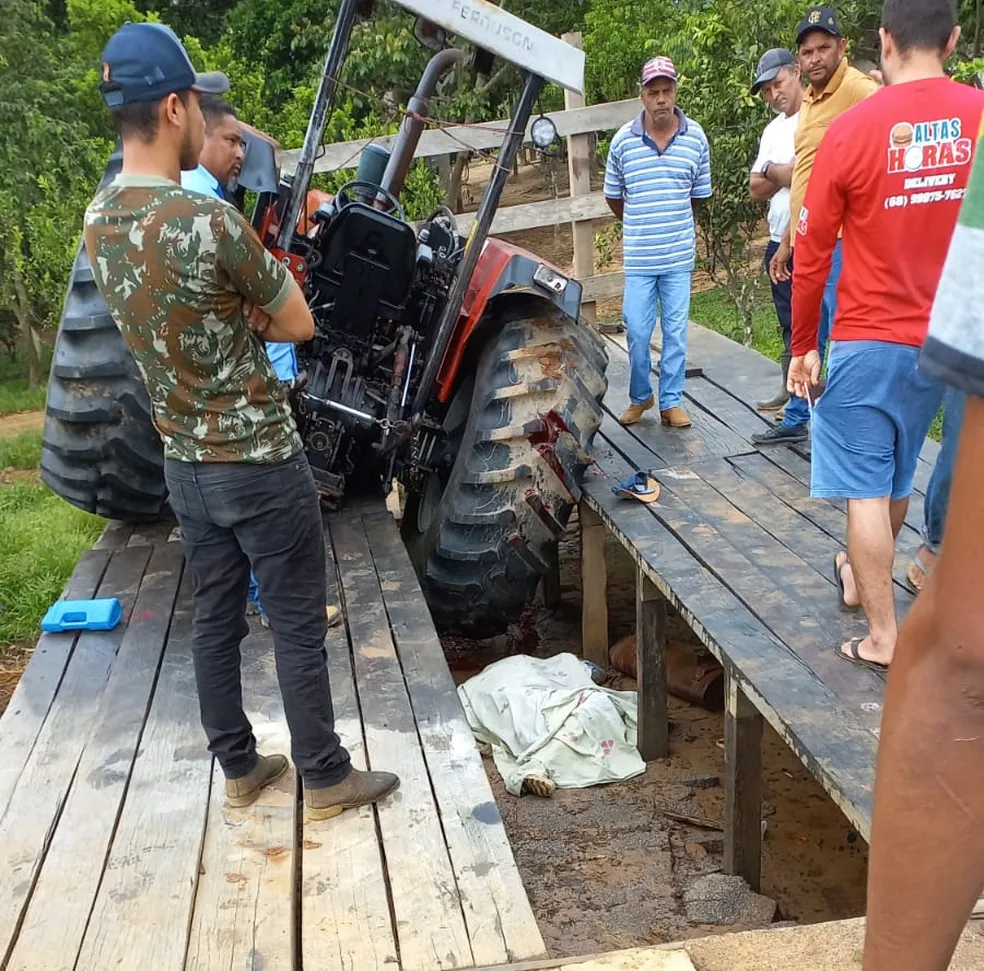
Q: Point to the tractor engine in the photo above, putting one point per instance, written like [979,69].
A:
[376,289]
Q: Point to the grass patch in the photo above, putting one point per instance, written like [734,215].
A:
[21,451]
[715,310]
[15,394]
[41,539]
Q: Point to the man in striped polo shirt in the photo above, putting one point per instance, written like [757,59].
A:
[658,166]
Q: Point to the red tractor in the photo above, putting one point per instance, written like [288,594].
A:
[458,366]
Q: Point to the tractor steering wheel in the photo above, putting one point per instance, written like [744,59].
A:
[345,196]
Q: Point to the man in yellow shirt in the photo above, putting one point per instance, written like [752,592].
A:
[835,87]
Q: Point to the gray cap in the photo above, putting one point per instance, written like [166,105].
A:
[769,66]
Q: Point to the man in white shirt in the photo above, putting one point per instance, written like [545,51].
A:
[777,79]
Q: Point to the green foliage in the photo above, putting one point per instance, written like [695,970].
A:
[41,539]
[21,452]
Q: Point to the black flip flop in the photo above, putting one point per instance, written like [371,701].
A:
[840,582]
[855,657]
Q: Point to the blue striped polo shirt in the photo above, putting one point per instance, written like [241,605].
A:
[658,227]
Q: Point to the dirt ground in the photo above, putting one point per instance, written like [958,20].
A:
[603,867]
[24,421]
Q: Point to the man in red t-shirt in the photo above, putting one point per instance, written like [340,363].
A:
[892,170]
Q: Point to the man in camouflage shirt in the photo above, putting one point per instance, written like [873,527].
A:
[184,276]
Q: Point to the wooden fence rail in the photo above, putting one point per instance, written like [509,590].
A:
[578,124]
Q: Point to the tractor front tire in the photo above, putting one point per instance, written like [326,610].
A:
[535,407]
[100,451]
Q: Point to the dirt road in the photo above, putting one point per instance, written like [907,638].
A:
[24,421]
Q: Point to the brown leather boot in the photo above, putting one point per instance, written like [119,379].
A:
[634,412]
[357,789]
[675,418]
[245,790]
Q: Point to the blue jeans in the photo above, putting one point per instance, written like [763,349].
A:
[938,493]
[669,295]
[283,357]
[798,410]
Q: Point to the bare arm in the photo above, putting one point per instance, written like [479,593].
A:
[927,852]
[617,207]
[760,188]
[292,322]
[781,176]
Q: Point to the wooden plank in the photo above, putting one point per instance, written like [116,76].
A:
[244,911]
[39,793]
[742,785]
[653,721]
[594,587]
[152,534]
[55,921]
[788,517]
[707,438]
[454,138]
[431,930]
[142,913]
[345,914]
[28,706]
[604,286]
[825,736]
[797,605]
[114,537]
[580,210]
[500,921]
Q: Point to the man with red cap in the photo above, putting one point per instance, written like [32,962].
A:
[658,167]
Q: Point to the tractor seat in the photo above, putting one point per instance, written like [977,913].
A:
[367,267]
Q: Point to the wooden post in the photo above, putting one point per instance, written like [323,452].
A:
[594,587]
[742,785]
[580,161]
[653,722]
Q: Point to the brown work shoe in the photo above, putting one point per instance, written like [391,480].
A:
[634,412]
[245,790]
[357,789]
[675,418]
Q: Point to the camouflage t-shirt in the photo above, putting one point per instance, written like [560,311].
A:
[174,268]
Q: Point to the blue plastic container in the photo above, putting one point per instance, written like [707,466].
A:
[65,615]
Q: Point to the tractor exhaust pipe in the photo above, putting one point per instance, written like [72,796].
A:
[410,131]
[340,38]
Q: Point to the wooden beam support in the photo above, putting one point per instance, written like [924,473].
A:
[742,785]
[594,587]
[580,161]
[654,726]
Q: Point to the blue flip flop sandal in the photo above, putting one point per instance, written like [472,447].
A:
[641,486]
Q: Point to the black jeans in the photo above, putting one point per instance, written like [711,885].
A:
[236,516]
[782,297]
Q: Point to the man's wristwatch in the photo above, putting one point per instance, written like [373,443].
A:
[765,170]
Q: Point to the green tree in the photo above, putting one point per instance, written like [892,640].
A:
[52,162]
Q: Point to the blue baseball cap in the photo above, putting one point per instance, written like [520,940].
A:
[147,62]
[769,66]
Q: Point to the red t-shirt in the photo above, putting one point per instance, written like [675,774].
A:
[892,170]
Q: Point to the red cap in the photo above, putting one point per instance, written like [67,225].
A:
[658,67]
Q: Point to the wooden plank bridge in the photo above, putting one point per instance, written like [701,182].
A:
[116,850]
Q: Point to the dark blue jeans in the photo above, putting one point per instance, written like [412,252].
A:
[938,493]
[782,298]
[233,517]
[798,409]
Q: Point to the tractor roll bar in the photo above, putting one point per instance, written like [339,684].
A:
[532,86]
[340,38]
[406,142]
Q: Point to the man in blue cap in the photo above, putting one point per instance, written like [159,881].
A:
[180,273]
[777,79]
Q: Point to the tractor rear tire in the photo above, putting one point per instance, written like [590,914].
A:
[517,475]
[101,451]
